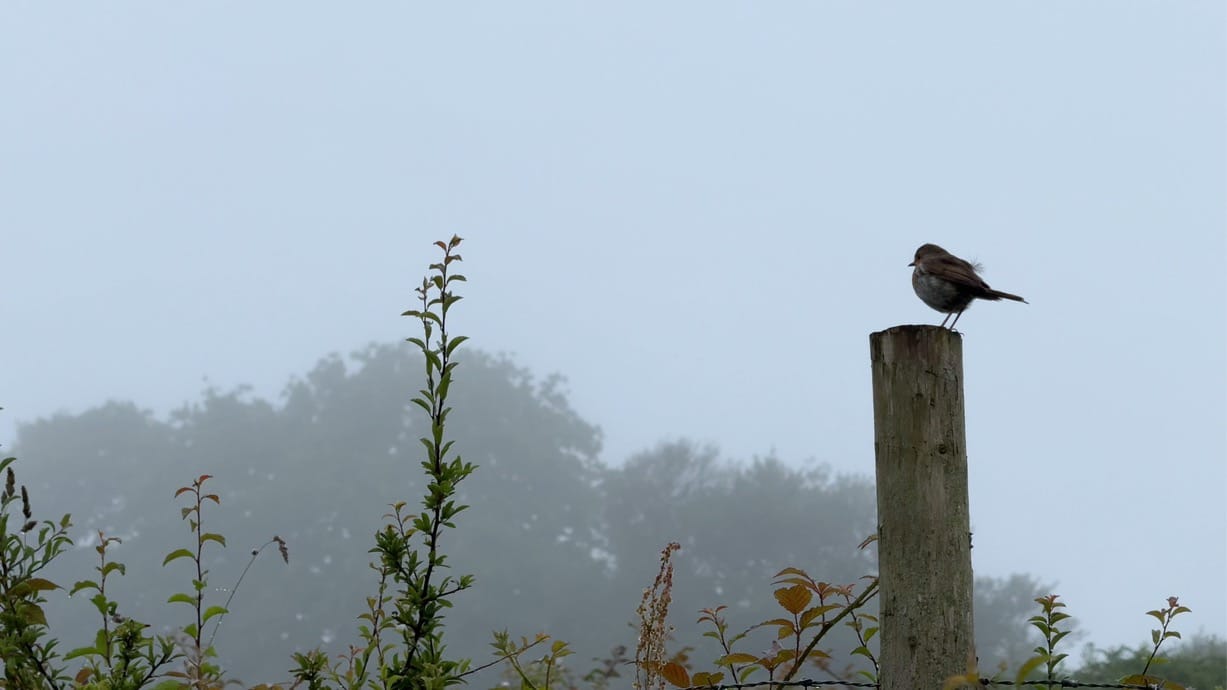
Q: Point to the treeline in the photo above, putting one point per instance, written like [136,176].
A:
[559,540]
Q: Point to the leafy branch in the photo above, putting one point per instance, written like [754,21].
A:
[30,659]
[424,593]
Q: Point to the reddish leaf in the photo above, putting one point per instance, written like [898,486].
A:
[676,674]
[794,599]
[38,584]
[1140,679]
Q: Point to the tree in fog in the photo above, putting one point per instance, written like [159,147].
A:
[320,469]
[559,542]
[1197,661]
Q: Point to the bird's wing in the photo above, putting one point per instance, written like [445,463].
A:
[958,271]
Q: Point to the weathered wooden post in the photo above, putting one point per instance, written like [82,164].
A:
[924,538]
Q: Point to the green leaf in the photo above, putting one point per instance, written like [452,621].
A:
[33,613]
[181,597]
[736,658]
[177,554]
[83,584]
[455,343]
[112,567]
[82,651]
[210,536]
[433,358]
[214,611]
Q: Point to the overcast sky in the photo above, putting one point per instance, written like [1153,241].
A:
[696,211]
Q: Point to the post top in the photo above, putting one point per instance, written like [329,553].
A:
[917,344]
[915,329]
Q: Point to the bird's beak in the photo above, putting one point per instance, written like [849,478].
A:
[912,264]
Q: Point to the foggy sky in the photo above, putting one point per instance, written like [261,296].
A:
[696,211]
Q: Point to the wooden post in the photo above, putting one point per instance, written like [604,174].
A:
[924,538]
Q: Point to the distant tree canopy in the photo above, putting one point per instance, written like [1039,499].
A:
[1200,661]
[559,541]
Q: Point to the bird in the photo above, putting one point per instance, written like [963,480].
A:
[949,284]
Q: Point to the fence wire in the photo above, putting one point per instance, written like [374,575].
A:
[984,682]
[1064,684]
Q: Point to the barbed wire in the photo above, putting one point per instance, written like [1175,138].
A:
[1066,683]
[788,684]
[984,682]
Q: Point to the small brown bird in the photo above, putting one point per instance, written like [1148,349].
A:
[949,284]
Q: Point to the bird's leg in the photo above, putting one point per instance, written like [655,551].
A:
[946,319]
[956,319]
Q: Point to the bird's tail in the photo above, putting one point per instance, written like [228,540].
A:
[997,294]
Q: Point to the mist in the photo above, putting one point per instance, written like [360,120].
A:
[692,214]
